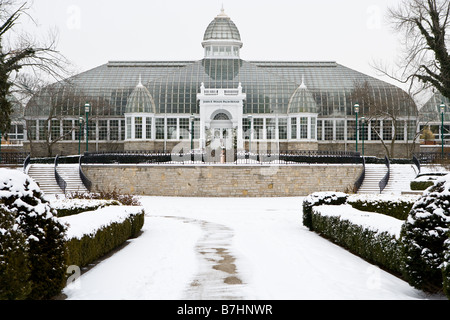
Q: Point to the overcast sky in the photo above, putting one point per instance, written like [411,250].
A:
[92,32]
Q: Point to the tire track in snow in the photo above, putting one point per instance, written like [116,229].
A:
[218,278]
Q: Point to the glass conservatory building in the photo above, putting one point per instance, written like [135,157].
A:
[219,101]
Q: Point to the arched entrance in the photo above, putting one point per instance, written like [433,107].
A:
[222,130]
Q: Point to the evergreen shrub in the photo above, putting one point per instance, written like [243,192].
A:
[379,248]
[44,235]
[421,185]
[14,261]
[317,199]
[424,237]
[446,268]
[91,247]
[397,207]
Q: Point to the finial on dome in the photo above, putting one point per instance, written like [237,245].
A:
[303,85]
[140,81]
[222,13]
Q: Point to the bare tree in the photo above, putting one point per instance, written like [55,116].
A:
[425,62]
[393,112]
[25,54]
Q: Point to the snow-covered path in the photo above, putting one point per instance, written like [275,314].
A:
[214,248]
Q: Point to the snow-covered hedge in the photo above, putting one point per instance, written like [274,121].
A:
[372,236]
[93,234]
[397,206]
[425,237]
[32,238]
[317,199]
[69,207]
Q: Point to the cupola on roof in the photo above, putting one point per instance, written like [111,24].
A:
[140,101]
[302,101]
[222,28]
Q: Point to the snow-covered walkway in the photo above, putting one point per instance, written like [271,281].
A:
[213,248]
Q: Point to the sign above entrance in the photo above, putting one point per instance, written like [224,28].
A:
[226,102]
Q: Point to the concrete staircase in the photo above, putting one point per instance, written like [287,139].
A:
[374,173]
[44,175]
[400,178]
[70,173]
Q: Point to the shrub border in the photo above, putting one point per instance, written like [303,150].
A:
[91,247]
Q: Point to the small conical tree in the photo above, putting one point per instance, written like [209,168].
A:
[423,238]
[14,263]
[44,233]
[446,268]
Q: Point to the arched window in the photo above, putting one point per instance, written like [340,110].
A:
[221,117]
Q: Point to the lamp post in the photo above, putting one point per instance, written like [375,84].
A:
[87,110]
[192,136]
[356,131]
[250,118]
[442,127]
[363,121]
[80,121]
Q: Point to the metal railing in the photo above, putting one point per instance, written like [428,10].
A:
[230,157]
[59,180]
[432,157]
[361,178]
[86,182]
[417,163]
[13,158]
[383,183]
[26,163]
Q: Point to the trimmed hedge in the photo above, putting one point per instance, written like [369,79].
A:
[317,199]
[421,185]
[69,208]
[398,208]
[420,255]
[91,247]
[381,249]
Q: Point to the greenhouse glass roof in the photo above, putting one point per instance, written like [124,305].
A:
[174,85]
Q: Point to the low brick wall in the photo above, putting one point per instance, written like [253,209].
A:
[222,180]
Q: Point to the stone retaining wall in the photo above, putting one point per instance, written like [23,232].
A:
[222,180]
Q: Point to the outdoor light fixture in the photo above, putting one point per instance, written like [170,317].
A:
[363,121]
[87,110]
[250,118]
[356,131]
[442,107]
[192,117]
[80,121]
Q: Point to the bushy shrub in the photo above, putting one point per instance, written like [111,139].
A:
[380,248]
[90,247]
[423,236]
[70,207]
[393,206]
[446,268]
[420,185]
[14,262]
[33,215]
[317,199]
[125,199]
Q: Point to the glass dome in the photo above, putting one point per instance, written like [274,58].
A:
[302,101]
[431,112]
[222,28]
[140,101]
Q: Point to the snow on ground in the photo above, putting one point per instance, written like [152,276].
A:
[234,248]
